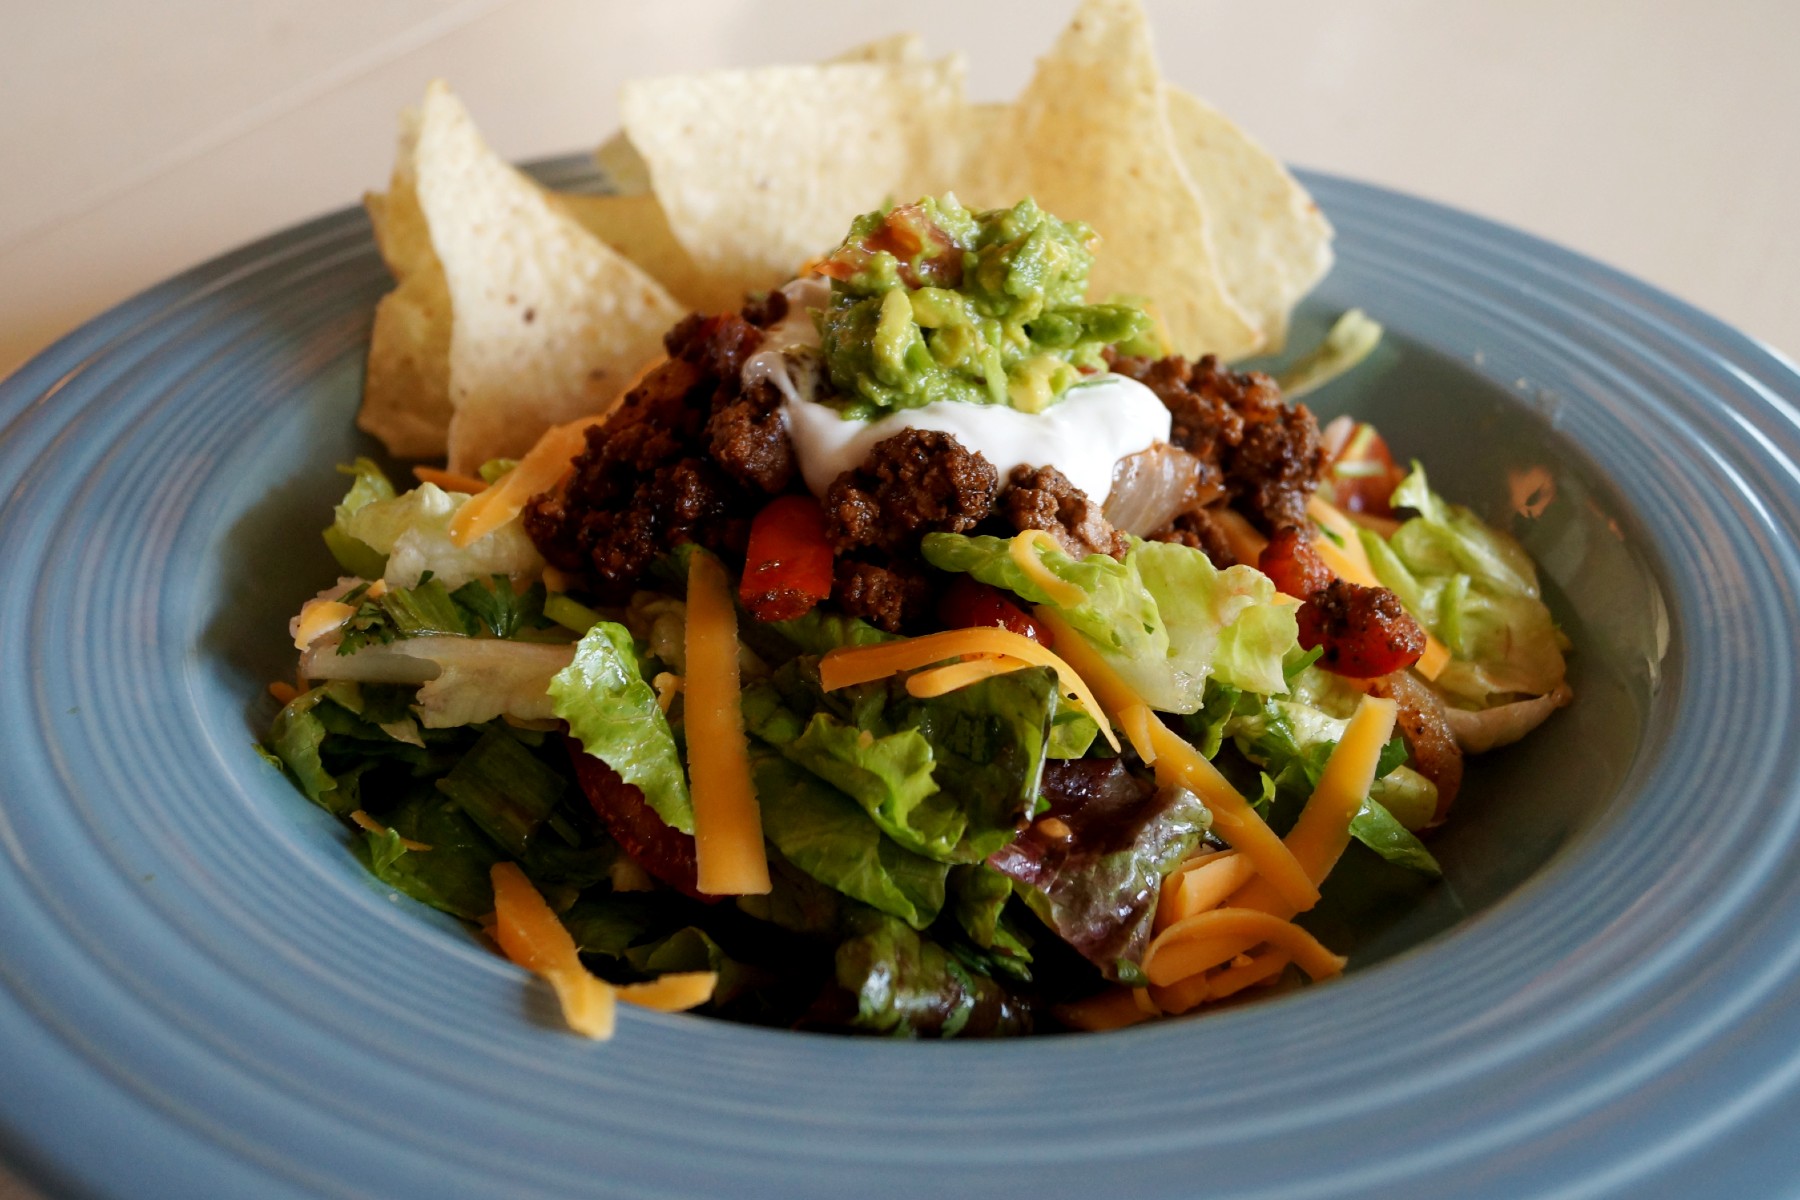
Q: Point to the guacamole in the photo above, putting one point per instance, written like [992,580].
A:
[932,302]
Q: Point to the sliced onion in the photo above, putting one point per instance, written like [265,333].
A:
[464,679]
[1502,725]
[1153,487]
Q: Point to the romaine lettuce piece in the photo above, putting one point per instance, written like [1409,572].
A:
[950,778]
[413,531]
[369,484]
[827,835]
[908,986]
[613,713]
[1165,618]
[505,789]
[1477,590]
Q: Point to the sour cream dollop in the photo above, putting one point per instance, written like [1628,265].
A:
[1083,435]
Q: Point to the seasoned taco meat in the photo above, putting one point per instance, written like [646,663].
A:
[1043,498]
[688,456]
[1430,742]
[1266,449]
[917,482]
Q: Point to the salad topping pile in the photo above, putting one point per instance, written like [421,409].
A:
[915,647]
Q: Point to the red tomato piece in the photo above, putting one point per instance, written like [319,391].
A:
[967,604]
[787,566]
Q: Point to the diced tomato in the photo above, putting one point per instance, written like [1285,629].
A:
[787,567]
[967,604]
[928,258]
[1361,477]
[1290,560]
[1364,632]
[663,851]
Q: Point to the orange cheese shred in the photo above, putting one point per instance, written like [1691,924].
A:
[531,936]
[364,821]
[728,839]
[1210,939]
[318,618]
[540,470]
[1322,831]
[1023,549]
[1201,883]
[850,665]
[676,992]
[936,681]
[1259,968]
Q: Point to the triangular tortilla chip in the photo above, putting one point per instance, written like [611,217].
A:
[760,170]
[548,322]
[1090,139]
[406,387]
[637,227]
[1272,242]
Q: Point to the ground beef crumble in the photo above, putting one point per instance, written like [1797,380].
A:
[1043,498]
[688,456]
[1266,450]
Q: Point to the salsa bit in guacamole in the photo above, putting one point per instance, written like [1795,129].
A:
[916,651]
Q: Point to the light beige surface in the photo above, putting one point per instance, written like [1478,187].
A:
[1662,136]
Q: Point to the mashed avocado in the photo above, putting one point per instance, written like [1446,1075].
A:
[932,302]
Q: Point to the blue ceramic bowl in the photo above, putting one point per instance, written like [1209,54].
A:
[202,994]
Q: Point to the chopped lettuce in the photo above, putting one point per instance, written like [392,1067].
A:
[368,485]
[613,713]
[505,789]
[1097,886]
[452,875]
[413,531]
[980,894]
[827,835]
[907,985]
[1292,741]
[1165,618]
[1477,590]
[950,778]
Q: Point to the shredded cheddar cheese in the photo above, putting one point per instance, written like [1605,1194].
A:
[529,934]
[318,618]
[938,680]
[1023,549]
[728,838]
[1214,938]
[365,821]
[671,993]
[850,665]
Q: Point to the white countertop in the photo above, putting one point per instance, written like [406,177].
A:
[1660,136]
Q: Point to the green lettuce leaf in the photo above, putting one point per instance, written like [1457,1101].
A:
[827,835]
[369,484]
[505,789]
[1165,618]
[413,531]
[906,985]
[1292,741]
[950,778]
[613,713]
[452,875]
[981,894]
[1477,590]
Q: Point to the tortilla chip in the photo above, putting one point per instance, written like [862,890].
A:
[637,227]
[1272,242]
[622,166]
[1090,139]
[760,170]
[895,48]
[548,322]
[406,386]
